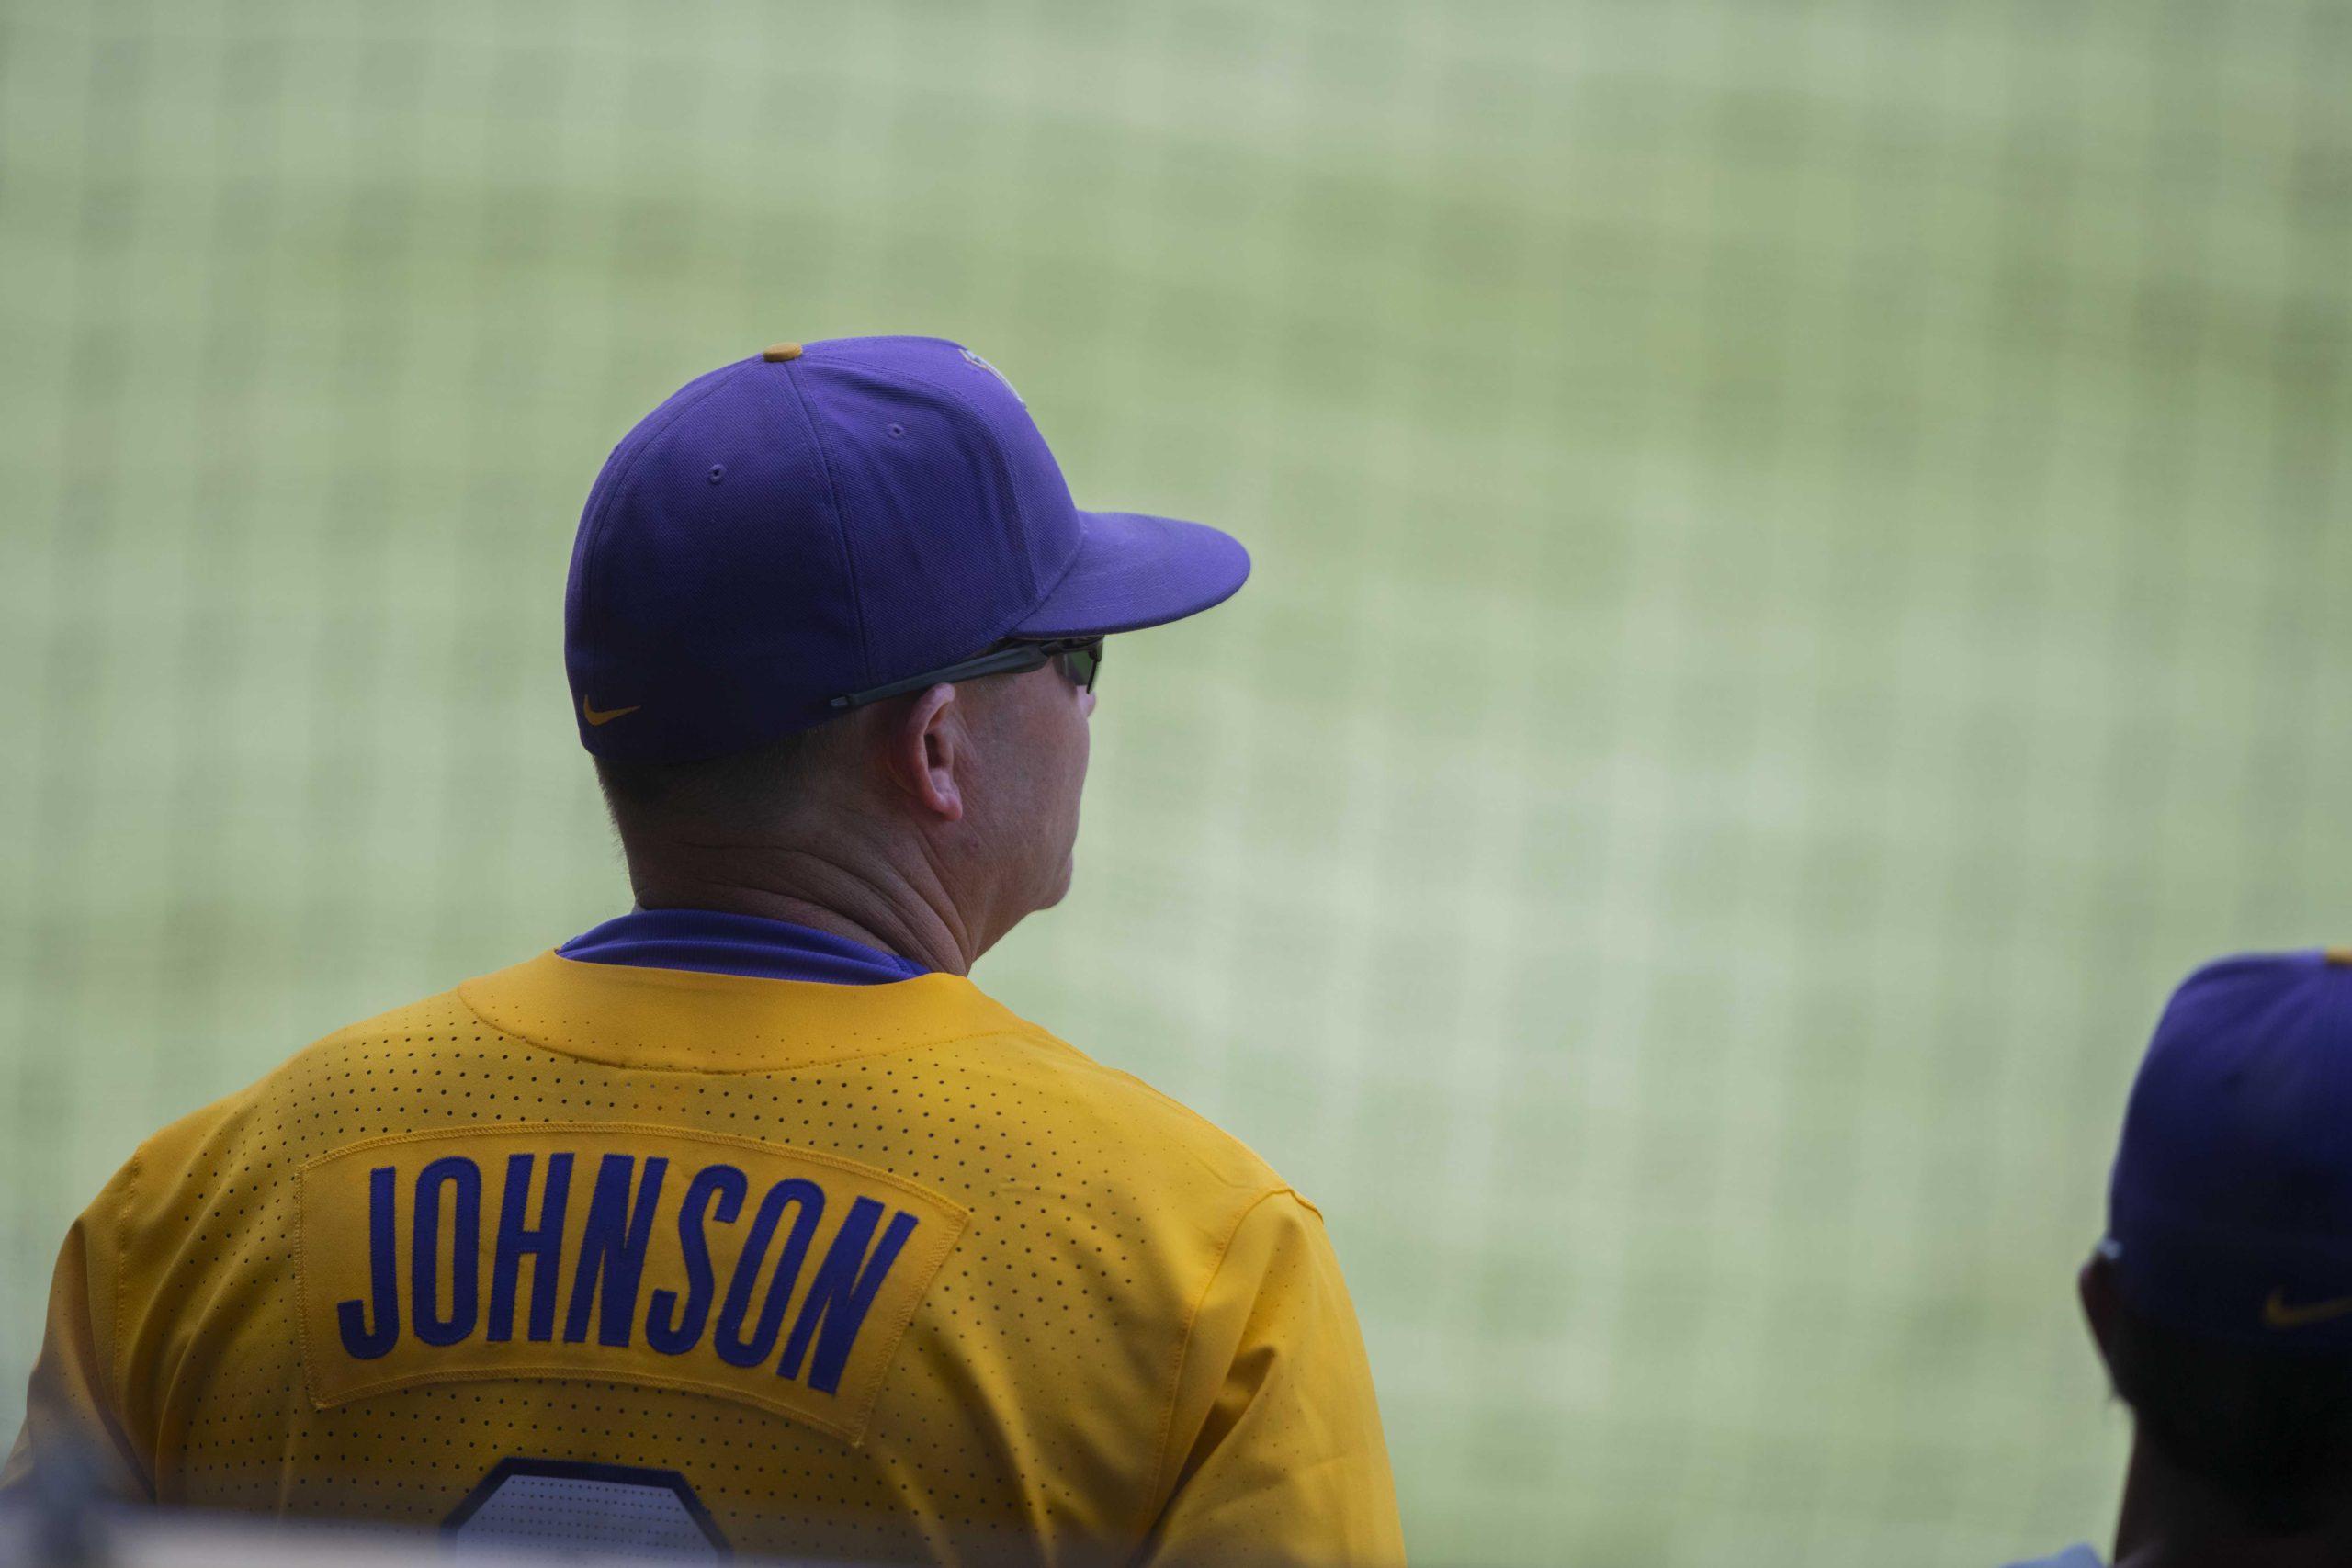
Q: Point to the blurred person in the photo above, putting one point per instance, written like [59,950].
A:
[744,1219]
[2220,1299]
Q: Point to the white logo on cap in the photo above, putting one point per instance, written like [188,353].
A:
[971,358]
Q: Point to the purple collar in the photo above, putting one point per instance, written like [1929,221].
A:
[736,944]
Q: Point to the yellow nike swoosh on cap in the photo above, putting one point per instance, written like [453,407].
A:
[596,714]
[2277,1314]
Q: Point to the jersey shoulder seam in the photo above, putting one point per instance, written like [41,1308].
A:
[1152,1501]
[1272,1177]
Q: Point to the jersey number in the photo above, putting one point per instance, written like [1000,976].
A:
[608,1507]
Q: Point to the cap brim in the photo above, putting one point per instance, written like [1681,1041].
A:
[1133,570]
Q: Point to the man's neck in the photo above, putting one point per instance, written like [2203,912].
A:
[883,907]
[2172,1519]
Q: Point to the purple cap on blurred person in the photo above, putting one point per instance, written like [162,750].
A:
[2230,1210]
[830,517]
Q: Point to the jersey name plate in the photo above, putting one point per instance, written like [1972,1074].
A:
[632,1254]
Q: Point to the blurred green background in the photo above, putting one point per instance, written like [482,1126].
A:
[1800,579]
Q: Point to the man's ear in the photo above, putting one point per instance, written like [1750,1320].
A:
[2102,1300]
[928,749]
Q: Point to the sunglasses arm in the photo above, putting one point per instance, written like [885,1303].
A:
[1003,662]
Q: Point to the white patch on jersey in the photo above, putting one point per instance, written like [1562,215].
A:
[604,1516]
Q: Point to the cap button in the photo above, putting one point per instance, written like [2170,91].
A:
[777,352]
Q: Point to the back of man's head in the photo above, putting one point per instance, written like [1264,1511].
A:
[862,547]
[2221,1296]
[2265,1435]
[741,790]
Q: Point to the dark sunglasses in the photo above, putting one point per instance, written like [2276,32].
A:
[1080,659]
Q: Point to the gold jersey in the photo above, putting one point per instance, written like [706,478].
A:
[849,1271]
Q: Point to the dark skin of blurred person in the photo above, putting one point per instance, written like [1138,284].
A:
[2238,1456]
[2220,1298]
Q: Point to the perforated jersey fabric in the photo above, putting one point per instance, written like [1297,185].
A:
[1009,1306]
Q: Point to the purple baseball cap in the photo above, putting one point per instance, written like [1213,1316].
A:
[830,517]
[2230,1208]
